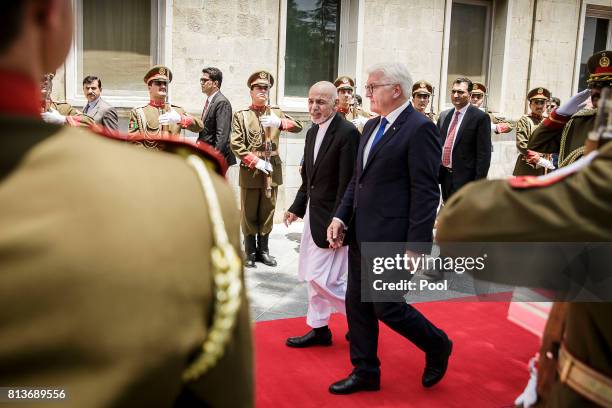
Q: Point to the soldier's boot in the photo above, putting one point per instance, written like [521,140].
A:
[250,248]
[263,253]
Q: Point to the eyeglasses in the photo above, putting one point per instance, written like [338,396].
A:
[204,80]
[538,101]
[370,88]
[157,82]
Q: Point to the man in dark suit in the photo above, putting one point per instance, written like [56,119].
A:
[329,161]
[97,108]
[392,197]
[216,115]
[466,140]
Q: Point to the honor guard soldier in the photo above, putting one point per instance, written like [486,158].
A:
[347,105]
[255,139]
[121,282]
[159,118]
[498,124]
[574,366]
[529,162]
[60,113]
[421,98]
[565,130]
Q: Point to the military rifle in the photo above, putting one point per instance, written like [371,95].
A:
[431,101]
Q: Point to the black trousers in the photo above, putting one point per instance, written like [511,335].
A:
[363,320]
[446,183]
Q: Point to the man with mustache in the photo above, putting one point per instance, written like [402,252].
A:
[97,108]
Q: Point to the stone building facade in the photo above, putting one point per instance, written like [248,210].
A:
[510,45]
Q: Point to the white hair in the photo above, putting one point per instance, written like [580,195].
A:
[394,72]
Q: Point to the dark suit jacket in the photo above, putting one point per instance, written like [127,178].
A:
[324,181]
[395,197]
[472,147]
[104,114]
[218,126]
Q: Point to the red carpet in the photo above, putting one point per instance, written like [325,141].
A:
[488,367]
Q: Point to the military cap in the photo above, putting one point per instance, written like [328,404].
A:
[422,87]
[344,82]
[600,67]
[479,88]
[158,72]
[260,78]
[538,93]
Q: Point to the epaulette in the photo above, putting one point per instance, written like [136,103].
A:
[525,182]
[585,112]
[172,144]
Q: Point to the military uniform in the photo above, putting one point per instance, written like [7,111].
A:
[145,119]
[352,113]
[524,128]
[108,292]
[566,135]
[248,143]
[577,209]
[73,116]
[498,124]
[423,87]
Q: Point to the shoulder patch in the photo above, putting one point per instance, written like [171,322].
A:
[523,182]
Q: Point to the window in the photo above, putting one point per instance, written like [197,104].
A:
[117,41]
[469,39]
[312,45]
[319,39]
[596,37]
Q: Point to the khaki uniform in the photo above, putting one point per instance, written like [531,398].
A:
[565,136]
[524,128]
[248,137]
[577,209]
[74,117]
[495,120]
[144,120]
[355,113]
[106,287]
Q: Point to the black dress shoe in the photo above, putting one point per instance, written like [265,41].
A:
[436,365]
[354,383]
[312,338]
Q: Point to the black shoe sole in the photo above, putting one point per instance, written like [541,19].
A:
[373,388]
[293,345]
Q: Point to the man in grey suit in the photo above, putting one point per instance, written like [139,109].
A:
[216,114]
[97,108]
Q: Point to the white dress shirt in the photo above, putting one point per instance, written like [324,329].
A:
[320,135]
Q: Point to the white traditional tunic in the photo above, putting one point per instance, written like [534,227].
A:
[324,269]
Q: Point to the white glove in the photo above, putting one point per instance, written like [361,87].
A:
[169,118]
[263,166]
[53,117]
[547,164]
[530,395]
[270,120]
[575,103]
[360,121]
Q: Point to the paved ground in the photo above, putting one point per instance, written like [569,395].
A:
[276,293]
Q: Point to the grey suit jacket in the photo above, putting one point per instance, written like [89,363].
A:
[104,114]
